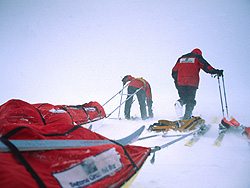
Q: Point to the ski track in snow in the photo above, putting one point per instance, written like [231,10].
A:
[178,166]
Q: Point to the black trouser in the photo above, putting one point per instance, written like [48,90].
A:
[141,96]
[187,96]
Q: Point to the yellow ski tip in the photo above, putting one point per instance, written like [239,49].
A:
[217,144]
[215,120]
[189,143]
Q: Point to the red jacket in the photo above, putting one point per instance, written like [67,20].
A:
[186,70]
[138,83]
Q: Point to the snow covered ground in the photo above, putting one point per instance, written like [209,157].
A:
[178,166]
[73,52]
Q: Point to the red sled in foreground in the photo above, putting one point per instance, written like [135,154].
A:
[107,165]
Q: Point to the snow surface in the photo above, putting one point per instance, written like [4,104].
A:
[178,166]
[73,52]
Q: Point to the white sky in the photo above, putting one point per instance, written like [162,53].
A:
[72,52]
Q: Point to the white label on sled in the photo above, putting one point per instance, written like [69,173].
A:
[54,111]
[90,170]
[187,60]
[90,109]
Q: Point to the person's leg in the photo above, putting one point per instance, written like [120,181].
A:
[129,102]
[182,95]
[141,95]
[190,101]
[180,102]
[150,110]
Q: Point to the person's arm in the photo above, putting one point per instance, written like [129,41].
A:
[208,68]
[175,73]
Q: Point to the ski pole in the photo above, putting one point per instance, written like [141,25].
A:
[157,148]
[120,105]
[116,94]
[221,101]
[125,101]
[225,94]
[164,136]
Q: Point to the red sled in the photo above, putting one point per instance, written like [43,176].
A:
[92,166]
[18,111]
[108,165]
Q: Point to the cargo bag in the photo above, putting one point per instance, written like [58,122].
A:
[18,111]
[106,165]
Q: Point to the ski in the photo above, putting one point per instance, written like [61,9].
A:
[36,145]
[220,137]
[131,138]
[164,135]
[157,148]
[223,127]
[146,137]
[172,142]
[173,135]
[197,135]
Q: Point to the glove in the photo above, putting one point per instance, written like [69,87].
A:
[219,72]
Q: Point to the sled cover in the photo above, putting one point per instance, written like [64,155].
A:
[108,165]
[18,111]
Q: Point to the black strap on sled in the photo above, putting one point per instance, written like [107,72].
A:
[14,131]
[85,113]
[19,155]
[63,134]
[99,113]
[69,114]
[41,114]
[42,117]
[23,161]
[126,153]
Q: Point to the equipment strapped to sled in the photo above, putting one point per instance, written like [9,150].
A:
[181,125]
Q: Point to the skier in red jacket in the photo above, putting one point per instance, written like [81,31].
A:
[144,94]
[186,77]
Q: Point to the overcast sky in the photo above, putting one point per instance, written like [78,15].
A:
[72,52]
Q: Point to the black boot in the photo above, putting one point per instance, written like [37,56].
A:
[127,116]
